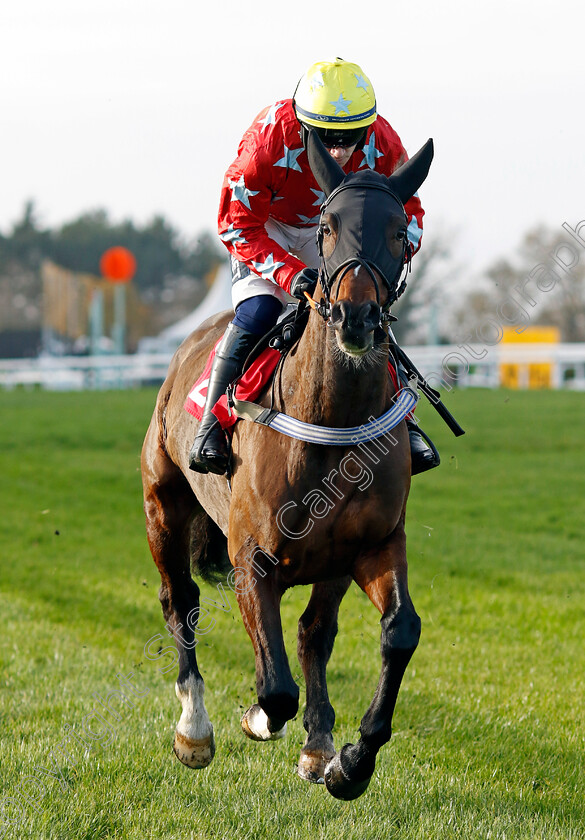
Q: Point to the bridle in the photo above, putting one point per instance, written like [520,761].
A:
[406,396]
[395,284]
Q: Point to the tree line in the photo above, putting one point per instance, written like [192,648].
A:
[443,301]
[171,278]
[159,249]
[540,283]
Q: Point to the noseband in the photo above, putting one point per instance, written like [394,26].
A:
[359,258]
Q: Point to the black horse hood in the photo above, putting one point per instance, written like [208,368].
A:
[363,204]
[362,207]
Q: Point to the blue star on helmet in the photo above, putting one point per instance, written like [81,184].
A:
[316,81]
[232,235]
[240,192]
[361,82]
[341,105]
[267,268]
[370,152]
[270,117]
[289,161]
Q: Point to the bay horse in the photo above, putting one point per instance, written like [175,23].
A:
[299,512]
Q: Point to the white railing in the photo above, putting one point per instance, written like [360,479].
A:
[478,366]
[460,366]
[77,373]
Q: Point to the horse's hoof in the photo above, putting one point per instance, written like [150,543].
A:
[194,754]
[339,782]
[255,725]
[311,766]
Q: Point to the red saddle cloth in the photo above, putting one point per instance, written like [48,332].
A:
[249,386]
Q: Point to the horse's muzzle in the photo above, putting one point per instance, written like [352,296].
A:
[355,324]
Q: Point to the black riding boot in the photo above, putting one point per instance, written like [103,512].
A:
[423,452]
[210,451]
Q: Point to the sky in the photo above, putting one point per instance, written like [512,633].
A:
[138,106]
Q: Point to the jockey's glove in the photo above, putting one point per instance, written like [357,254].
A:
[304,281]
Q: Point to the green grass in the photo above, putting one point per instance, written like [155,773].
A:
[489,737]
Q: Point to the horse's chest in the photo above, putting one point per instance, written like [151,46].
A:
[318,516]
[322,536]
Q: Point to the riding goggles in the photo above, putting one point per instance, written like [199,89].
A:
[336,138]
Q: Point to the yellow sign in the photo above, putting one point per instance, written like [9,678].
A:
[528,374]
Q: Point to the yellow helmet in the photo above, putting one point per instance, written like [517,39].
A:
[335,95]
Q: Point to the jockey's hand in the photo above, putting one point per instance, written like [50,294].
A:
[304,281]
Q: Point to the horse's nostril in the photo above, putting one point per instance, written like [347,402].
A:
[373,312]
[346,316]
[339,313]
[355,319]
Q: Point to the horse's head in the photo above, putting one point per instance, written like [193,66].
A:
[363,241]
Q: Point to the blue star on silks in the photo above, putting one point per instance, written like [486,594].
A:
[267,268]
[370,152]
[232,235]
[361,82]
[320,197]
[414,232]
[289,161]
[270,117]
[341,105]
[240,192]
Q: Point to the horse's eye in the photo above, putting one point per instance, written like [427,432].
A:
[401,234]
[326,230]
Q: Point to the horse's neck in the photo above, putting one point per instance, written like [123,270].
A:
[319,386]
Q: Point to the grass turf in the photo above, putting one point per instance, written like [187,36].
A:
[489,738]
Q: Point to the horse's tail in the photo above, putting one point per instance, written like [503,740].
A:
[209,554]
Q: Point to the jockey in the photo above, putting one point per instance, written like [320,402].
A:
[268,216]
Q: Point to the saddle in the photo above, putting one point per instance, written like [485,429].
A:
[259,370]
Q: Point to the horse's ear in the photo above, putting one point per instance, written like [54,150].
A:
[406,180]
[328,173]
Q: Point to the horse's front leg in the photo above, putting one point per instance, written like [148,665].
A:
[383,576]
[316,635]
[259,602]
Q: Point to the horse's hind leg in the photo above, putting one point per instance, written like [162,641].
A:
[316,635]
[170,508]
[384,579]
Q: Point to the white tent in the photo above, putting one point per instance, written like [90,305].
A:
[217,299]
